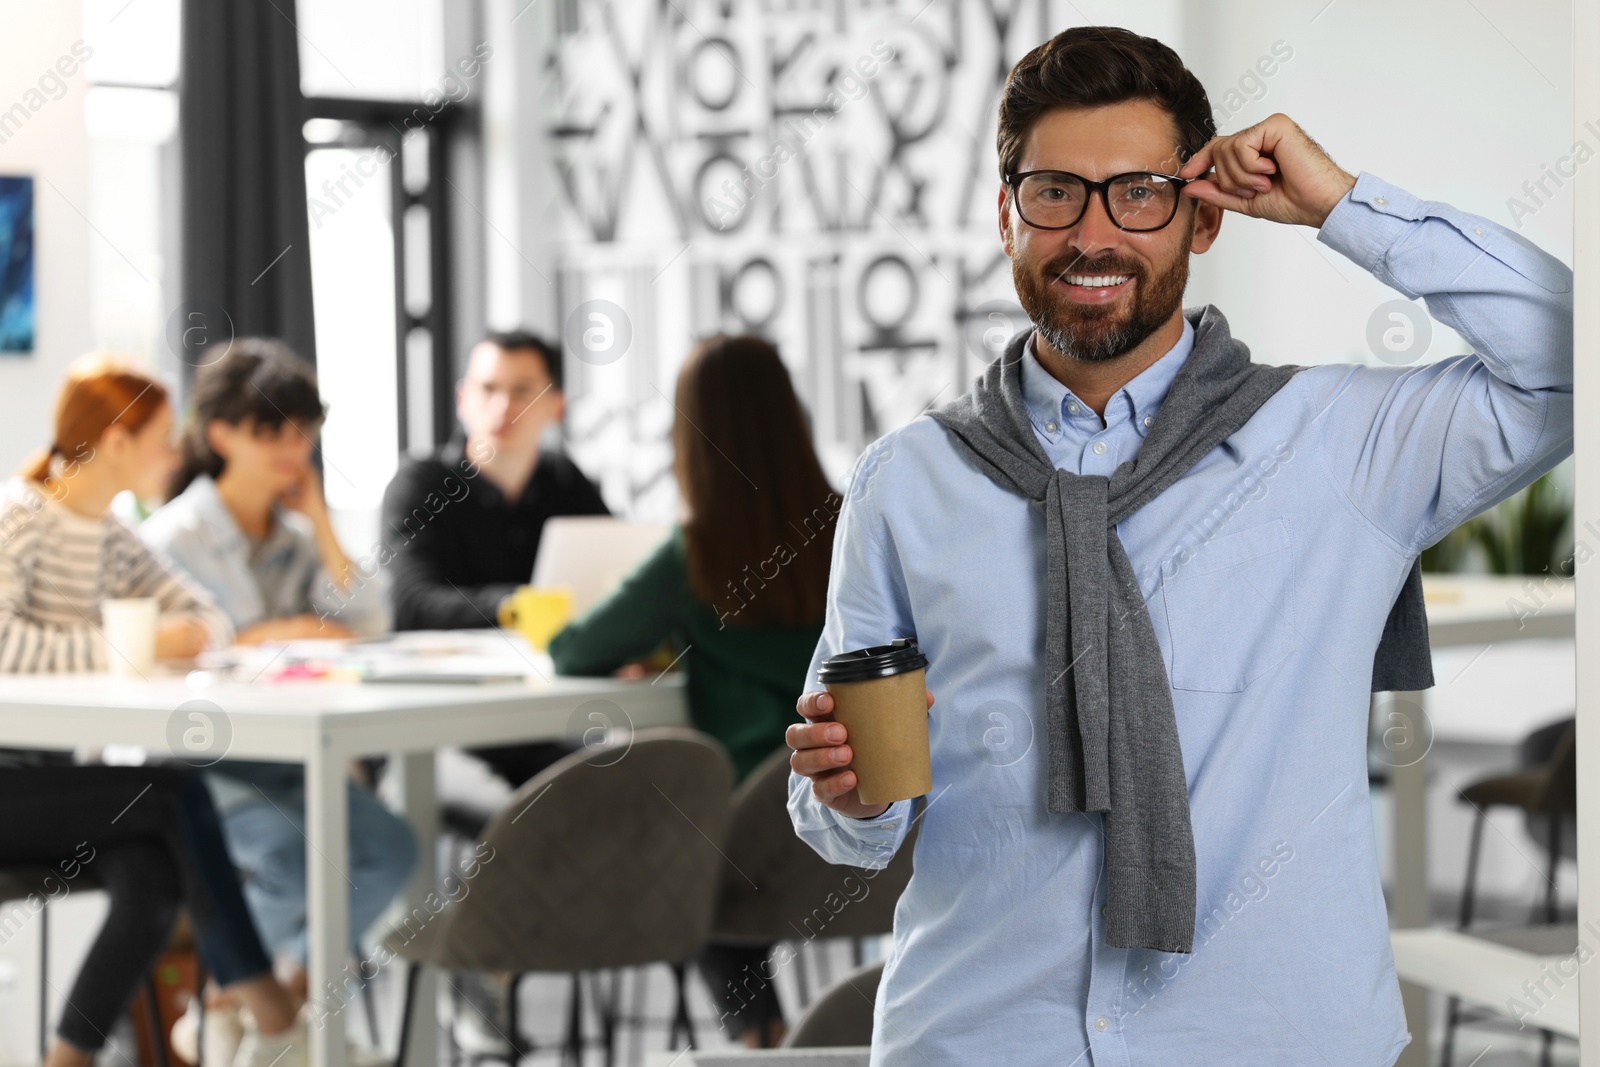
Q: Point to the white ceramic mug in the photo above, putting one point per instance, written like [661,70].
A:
[129,626]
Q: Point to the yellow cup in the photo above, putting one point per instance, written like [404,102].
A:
[538,614]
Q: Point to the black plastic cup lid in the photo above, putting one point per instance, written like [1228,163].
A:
[899,656]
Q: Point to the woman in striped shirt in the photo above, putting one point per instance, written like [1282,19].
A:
[62,552]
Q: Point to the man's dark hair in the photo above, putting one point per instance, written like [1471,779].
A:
[525,341]
[1091,66]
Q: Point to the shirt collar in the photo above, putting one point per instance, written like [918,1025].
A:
[1049,402]
[221,526]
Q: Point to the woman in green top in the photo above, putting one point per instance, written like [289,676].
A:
[738,590]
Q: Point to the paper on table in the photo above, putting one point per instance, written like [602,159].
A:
[421,655]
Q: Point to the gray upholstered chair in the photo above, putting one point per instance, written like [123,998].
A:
[605,859]
[775,887]
[842,1015]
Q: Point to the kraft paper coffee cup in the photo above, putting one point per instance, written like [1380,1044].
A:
[879,695]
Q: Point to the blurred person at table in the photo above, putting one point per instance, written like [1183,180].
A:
[62,552]
[739,586]
[247,517]
[464,526]
[248,522]
[465,522]
[149,838]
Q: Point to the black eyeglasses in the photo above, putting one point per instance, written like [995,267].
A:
[1138,201]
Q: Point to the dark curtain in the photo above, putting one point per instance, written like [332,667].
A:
[246,245]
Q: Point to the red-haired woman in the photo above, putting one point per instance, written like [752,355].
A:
[149,836]
[62,552]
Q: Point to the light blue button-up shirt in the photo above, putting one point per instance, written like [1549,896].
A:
[1268,570]
[280,577]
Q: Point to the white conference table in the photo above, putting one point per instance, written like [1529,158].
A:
[324,725]
[1463,611]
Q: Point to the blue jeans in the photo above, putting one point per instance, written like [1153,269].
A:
[267,840]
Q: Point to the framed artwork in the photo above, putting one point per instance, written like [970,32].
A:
[16,265]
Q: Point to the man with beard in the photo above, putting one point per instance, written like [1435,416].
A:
[1156,583]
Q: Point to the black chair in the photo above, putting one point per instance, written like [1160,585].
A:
[1546,791]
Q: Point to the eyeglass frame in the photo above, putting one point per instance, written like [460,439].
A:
[1013,181]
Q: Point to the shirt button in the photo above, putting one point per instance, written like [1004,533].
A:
[1050,427]
[1074,408]
[1101,1023]
[1478,230]
[1149,420]
[1380,200]
[1099,448]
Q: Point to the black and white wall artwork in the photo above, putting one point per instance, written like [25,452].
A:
[823,174]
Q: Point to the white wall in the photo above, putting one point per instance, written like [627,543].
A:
[1454,102]
[53,147]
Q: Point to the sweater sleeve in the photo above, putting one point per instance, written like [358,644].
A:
[26,645]
[133,570]
[632,621]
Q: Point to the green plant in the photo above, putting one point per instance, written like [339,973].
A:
[1522,534]
[1450,553]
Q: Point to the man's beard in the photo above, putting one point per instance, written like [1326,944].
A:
[1098,332]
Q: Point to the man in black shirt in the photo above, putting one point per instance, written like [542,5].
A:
[466,521]
[464,524]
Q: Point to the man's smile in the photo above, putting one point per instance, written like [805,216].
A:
[1093,288]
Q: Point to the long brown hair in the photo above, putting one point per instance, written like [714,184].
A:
[761,512]
[100,391]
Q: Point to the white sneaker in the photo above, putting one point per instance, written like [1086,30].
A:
[477,1036]
[222,1033]
[289,1048]
[482,1014]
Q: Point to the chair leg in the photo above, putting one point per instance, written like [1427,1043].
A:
[44,981]
[572,1047]
[1469,892]
[200,1011]
[680,1014]
[605,1008]
[403,1045]
[158,1040]
[1552,867]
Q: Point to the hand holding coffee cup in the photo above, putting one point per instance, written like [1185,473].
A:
[871,702]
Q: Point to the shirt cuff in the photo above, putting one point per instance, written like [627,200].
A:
[1370,218]
[890,816]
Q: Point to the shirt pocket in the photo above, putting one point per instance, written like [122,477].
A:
[1230,609]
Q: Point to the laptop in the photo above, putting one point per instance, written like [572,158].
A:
[591,554]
